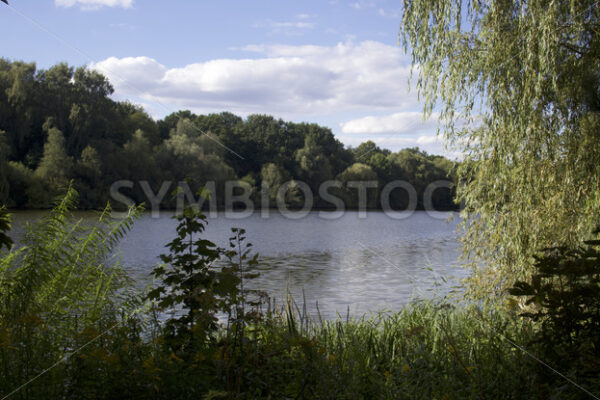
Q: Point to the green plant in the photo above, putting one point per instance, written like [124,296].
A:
[187,280]
[5,240]
[193,287]
[516,84]
[563,297]
[62,281]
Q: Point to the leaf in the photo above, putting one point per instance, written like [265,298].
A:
[521,289]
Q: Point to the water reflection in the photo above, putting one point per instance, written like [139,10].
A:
[364,264]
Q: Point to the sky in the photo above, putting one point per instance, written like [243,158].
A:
[337,63]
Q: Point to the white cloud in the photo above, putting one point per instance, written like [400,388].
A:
[131,73]
[94,4]
[408,122]
[428,139]
[288,81]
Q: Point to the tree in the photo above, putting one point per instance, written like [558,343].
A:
[272,178]
[89,173]
[54,170]
[360,174]
[56,92]
[519,87]
[20,179]
[197,158]
[4,184]
[19,84]
[313,159]
[55,165]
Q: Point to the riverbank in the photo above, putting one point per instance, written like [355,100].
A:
[72,325]
[424,351]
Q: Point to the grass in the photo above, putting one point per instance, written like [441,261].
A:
[424,351]
[71,338]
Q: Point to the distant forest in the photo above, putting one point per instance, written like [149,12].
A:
[60,125]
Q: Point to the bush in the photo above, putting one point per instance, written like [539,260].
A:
[563,297]
[62,282]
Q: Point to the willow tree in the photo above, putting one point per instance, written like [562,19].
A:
[517,83]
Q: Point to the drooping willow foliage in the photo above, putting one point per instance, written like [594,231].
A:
[518,83]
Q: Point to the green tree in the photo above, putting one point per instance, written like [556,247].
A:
[19,89]
[518,83]
[196,157]
[357,172]
[139,164]
[20,178]
[89,178]
[56,165]
[313,159]
[272,178]
[53,173]
[55,89]
[4,183]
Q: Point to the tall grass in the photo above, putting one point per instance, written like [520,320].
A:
[67,331]
[423,351]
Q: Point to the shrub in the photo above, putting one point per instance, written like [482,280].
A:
[563,297]
[61,282]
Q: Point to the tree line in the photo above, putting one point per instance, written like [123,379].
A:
[60,125]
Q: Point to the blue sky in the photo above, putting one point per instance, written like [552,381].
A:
[335,62]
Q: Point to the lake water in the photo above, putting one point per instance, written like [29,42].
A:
[365,264]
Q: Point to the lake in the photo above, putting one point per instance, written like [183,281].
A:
[361,263]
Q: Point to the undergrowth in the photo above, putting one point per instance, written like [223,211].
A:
[70,327]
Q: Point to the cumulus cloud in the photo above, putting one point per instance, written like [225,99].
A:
[94,4]
[408,122]
[429,139]
[290,81]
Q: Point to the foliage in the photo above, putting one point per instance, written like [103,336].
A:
[188,281]
[272,178]
[62,282]
[194,289]
[21,180]
[61,126]
[5,240]
[563,297]
[58,308]
[518,85]
[4,180]
[357,172]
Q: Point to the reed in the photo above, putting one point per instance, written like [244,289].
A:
[68,330]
